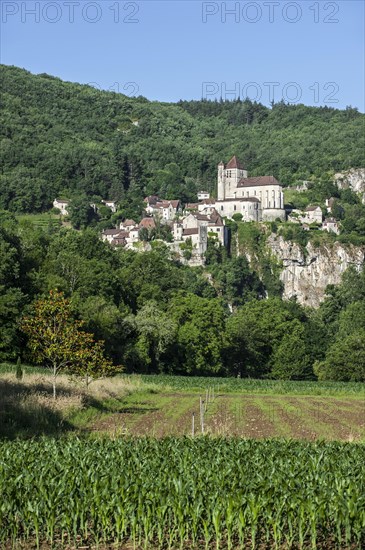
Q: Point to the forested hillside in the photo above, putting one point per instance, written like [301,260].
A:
[59,138]
[156,315]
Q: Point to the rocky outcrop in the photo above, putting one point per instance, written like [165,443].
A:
[353,179]
[307,272]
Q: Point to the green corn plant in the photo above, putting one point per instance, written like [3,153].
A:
[177,492]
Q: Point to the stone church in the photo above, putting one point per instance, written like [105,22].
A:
[257,198]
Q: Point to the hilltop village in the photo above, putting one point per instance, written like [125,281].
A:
[186,228]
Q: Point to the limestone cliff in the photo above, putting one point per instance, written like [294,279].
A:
[306,272]
[353,179]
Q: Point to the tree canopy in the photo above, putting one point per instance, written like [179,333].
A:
[56,340]
[59,138]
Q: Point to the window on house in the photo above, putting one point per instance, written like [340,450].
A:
[235,207]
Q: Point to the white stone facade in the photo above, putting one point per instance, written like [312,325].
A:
[312,214]
[166,210]
[62,205]
[256,198]
[111,204]
[331,225]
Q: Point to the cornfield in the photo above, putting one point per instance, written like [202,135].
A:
[182,493]
[252,385]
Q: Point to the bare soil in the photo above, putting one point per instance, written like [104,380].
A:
[249,416]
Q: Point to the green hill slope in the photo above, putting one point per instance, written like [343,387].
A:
[64,138]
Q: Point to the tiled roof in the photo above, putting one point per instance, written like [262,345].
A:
[111,231]
[190,231]
[128,223]
[257,181]
[208,201]
[234,163]
[152,199]
[119,241]
[312,208]
[216,219]
[147,222]
[166,204]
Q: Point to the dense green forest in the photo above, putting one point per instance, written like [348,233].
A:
[156,315]
[60,138]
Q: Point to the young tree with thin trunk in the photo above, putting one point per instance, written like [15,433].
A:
[56,340]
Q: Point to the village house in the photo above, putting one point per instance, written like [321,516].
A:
[125,236]
[147,223]
[128,225]
[110,234]
[330,224]
[196,235]
[206,202]
[166,209]
[111,204]
[312,214]
[202,195]
[193,223]
[61,205]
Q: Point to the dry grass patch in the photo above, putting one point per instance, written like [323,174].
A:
[27,407]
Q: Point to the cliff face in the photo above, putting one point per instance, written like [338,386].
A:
[353,179]
[306,274]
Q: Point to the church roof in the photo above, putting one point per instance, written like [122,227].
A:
[240,199]
[258,180]
[234,163]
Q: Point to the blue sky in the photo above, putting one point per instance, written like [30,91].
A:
[305,51]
